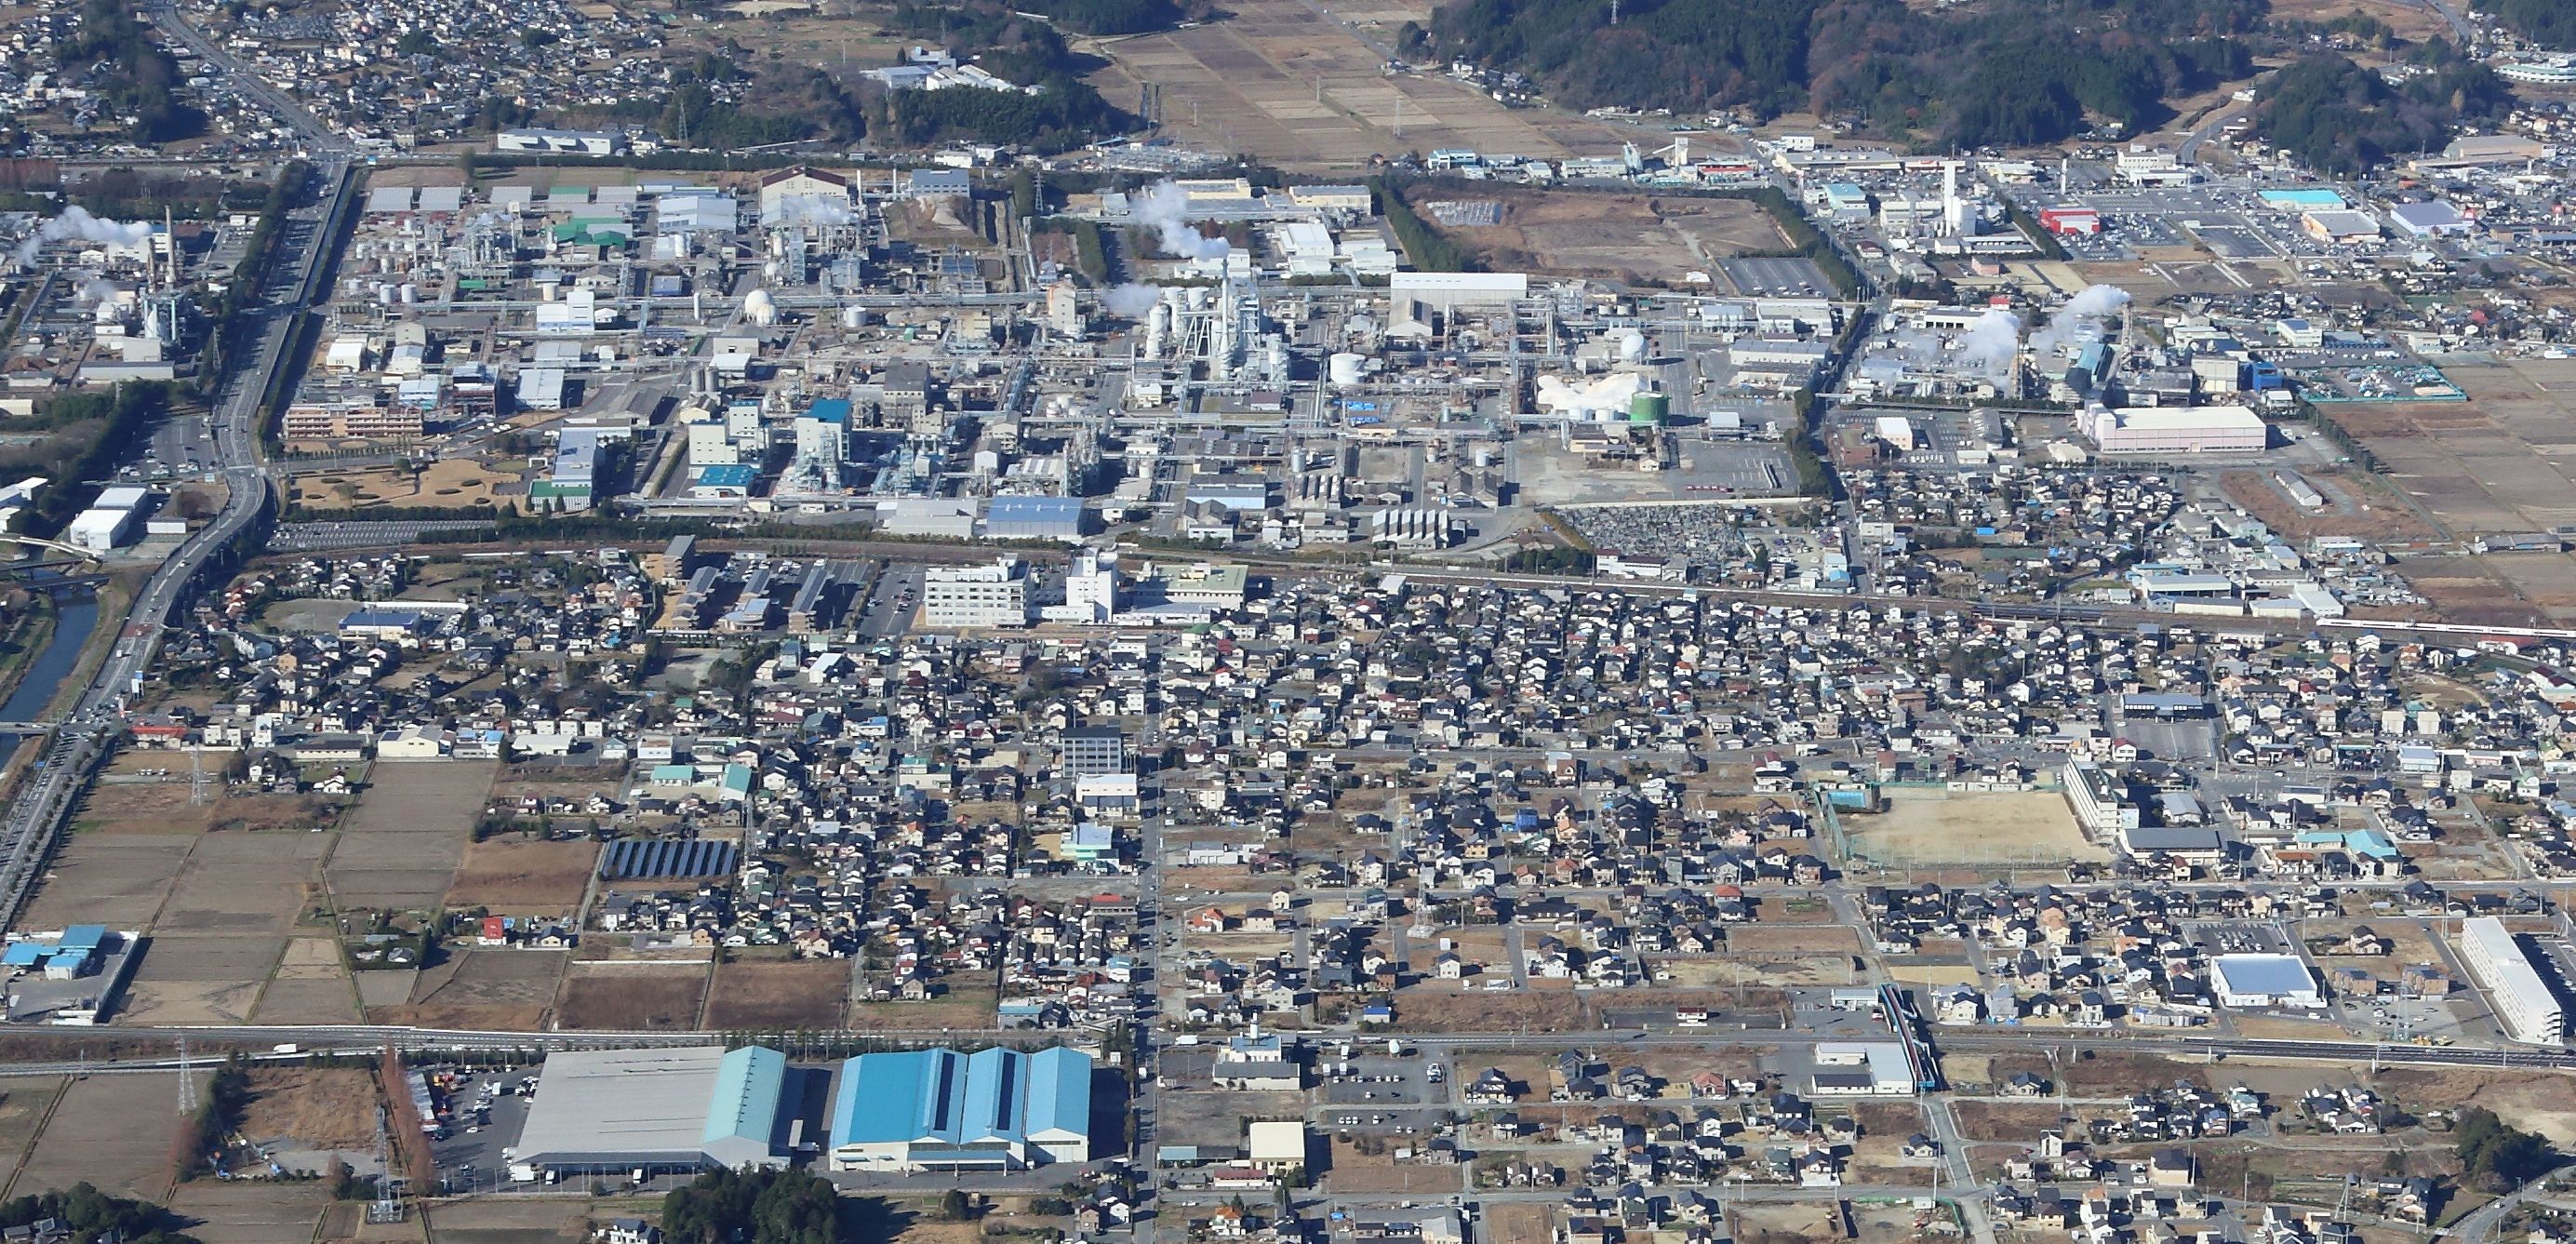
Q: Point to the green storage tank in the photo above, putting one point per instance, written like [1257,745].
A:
[1648,410]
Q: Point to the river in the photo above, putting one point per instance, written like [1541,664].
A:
[76,615]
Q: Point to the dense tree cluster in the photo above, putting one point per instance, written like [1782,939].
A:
[2338,117]
[1065,112]
[93,1216]
[2014,71]
[2551,23]
[2497,1156]
[753,1207]
[138,78]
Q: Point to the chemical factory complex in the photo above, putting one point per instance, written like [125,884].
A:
[1591,677]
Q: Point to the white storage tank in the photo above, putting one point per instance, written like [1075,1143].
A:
[1346,367]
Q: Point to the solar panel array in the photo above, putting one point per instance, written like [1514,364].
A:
[667,858]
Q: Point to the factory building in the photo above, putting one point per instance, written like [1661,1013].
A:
[990,595]
[680,1109]
[2174,430]
[111,521]
[2070,220]
[939,1109]
[2522,1000]
[1034,518]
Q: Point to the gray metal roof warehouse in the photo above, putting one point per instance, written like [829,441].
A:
[686,1108]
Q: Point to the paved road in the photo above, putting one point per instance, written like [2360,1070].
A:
[86,736]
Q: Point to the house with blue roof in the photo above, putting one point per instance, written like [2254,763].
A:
[939,1109]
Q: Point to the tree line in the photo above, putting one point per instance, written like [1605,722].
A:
[2013,71]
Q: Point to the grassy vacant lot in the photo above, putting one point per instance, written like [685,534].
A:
[503,989]
[514,877]
[632,998]
[768,995]
[323,1107]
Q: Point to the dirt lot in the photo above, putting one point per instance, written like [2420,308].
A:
[1632,237]
[512,989]
[2385,518]
[119,880]
[510,877]
[632,998]
[1746,939]
[2015,1121]
[455,482]
[2498,589]
[775,996]
[2413,23]
[164,808]
[1250,84]
[400,848]
[1520,1222]
[2502,461]
[966,1007]
[23,1103]
[1351,1172]
[113,1131]
[325,1108]
[244,883]
[509,1222]
[200,980]
[251,1211]
[1932,827]
[1784,1224]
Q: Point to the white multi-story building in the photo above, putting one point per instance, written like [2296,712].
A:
[963,596]
[2101,806]
[2521,998]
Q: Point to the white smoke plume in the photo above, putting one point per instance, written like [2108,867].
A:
[1163,209]
[95,291]
[1994,338]
[2068,326]
[821,211]
[77,222]
[1131,300]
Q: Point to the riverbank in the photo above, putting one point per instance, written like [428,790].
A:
[28,635]
[111,600]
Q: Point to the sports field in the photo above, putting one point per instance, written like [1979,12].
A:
[1923,827]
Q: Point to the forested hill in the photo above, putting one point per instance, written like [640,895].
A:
[2550,23]
[1990,72]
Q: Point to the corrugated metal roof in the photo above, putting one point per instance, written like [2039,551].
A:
[744,1105]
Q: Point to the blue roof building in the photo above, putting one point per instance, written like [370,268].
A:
[1034,518]
[995,1109]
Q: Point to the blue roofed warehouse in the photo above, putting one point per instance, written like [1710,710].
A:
[938,1109]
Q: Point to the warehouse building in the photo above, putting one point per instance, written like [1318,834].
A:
[1034,518]
[2174,430]
[939,1109]
[2261,981]
[2522,999]
[681,1109]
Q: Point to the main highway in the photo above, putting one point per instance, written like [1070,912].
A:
[296,279]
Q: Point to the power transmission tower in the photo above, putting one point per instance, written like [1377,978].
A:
[187,1080]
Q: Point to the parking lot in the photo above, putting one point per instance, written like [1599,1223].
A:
[472,1155]
[1777,277]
